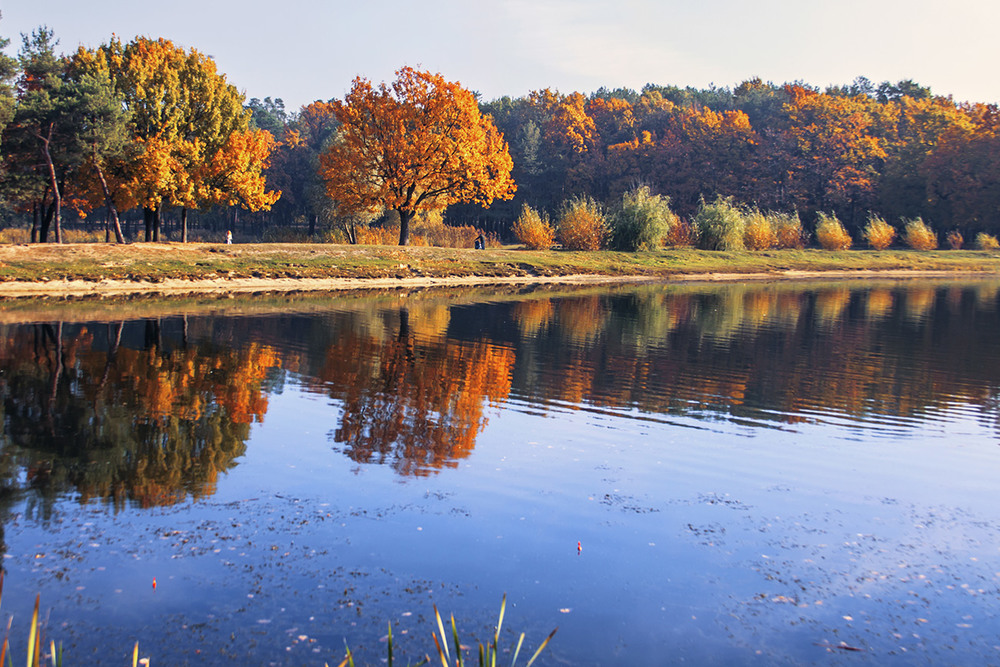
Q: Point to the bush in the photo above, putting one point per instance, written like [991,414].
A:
[830,233]
[955,239]
[534,229]
[788,230]
[986,241]
[759,233]
[642,222]
[720,225]
[918,235]
[879,233]
[681,234]
[15,235]
[582,225]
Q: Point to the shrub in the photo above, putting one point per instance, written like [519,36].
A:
[955,239]
[681,234]
[759,233]
[720,225]
[918,235]
[15,235]
[986,241]
[830,233]
[788,230]
[879,233]
[582,225]
[642,222]
[534,229]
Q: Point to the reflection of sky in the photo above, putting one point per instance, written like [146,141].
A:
[706,536]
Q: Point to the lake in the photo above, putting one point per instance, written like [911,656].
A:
[773,473]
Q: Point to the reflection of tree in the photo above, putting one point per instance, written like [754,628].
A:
[145,422]
[412,402]
[765,352]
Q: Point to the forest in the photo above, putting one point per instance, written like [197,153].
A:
[145,140]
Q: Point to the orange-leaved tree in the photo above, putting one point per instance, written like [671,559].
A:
[418,145]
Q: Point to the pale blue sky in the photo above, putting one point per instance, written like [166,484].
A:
[303,50]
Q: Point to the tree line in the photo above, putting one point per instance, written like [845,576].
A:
[152,128]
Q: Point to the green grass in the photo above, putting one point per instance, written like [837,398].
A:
[154,263]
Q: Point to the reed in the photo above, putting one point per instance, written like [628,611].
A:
[445,642]
[534,230]
[986,241]
[918,235]
[759,233]
[830,233]
[582,225]
[879,233]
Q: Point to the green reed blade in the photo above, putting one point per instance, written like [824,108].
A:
[458,644]
[390,643]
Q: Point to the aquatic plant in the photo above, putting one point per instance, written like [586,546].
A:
[488,654]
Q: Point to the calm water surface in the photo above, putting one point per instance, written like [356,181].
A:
[762,474]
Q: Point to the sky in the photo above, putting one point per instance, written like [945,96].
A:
[304,50]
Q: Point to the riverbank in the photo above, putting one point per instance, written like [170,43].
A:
[107,269]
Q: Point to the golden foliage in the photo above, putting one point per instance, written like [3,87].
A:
[830,233]
[879,233]
[986,241]
[758,233]
[419,145]
[787,230]
[582,225]
[681,235]
[534,229]
[955,239]
[918,235]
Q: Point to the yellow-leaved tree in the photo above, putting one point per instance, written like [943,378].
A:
[419,145]
[192,145]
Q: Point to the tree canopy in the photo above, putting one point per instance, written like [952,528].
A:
[419,145]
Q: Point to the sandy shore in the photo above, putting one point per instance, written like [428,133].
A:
[15,289]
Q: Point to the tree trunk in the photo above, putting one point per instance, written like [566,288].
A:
[404,226]
[156,223]
[147,218]
[57,199]
[34,221]
[184,225]
[112,211]
[43,232]
[312,224]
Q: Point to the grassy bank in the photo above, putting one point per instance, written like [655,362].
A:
[158,262]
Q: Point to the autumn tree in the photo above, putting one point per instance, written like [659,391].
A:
[418,145]
[295,166]
[193,143]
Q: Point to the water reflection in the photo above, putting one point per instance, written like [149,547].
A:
[413,402]
[120,412]
[151,411]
